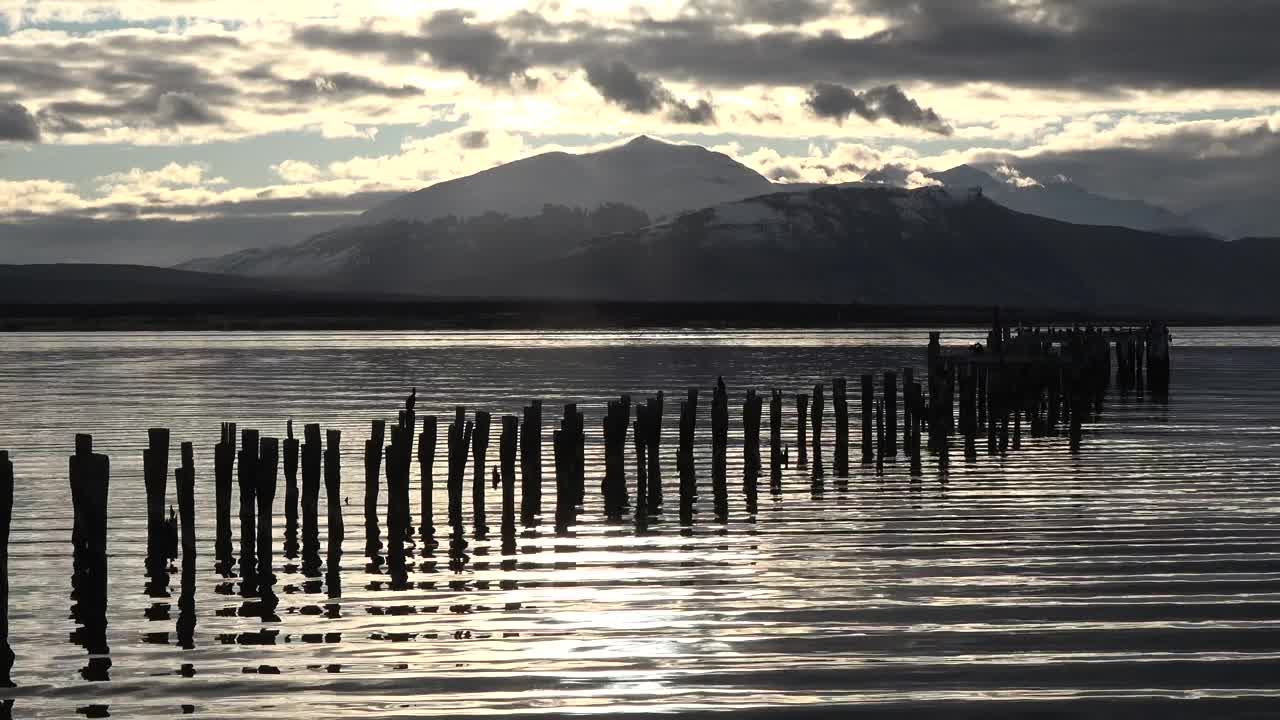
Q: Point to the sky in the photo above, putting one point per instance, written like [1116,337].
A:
[195,109]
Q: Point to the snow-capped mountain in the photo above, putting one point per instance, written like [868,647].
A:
[1066,201]
[659,178]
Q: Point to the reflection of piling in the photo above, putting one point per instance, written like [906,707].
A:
[224,456]
[868,409]
[426,481]
[840,399]
[719,448]
[372,481]
[290,493]
[6,515]
[775,441]
[479,448]
[247,479]
[819,406]
[507,463]
[333,495]
[268,471]
[531,463]
[312,454]
[802,429]
[155,473]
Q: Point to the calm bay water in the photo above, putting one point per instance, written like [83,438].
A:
[1140,575]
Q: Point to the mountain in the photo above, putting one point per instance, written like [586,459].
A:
[1248,215]
[1066,201]
[932,246]
[83,283]
[659,178]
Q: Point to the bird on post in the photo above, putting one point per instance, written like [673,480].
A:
[410,401]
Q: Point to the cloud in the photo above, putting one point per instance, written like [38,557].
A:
[619,84]
[181,109]
[17,123]
[771,12]
[474,139]
[837,102]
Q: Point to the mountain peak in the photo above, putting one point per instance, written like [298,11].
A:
[965,176]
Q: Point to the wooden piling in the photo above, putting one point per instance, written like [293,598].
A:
[880,437]
[426,481]
[90,488]
[891,413]
[333,494]
[247,480]
[640,440]
[312,456]
[719,447]
[751,410]
[802,429]
[684,457]
[614,486]
[653,451]
[507,462]
[398,454]
[155,472]
[184,479]
[291,448]
[6,516]
[840,398]
[479,449]
[268,469]
[908,382]
[775,441]
[459,444]
[819,406]
[372,481]
[868,427]
[531,464]
[224,457]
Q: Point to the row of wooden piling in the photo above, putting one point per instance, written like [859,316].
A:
[1053,380]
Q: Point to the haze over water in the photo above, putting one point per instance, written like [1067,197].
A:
[1143,570]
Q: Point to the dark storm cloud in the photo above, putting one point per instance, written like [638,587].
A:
[837,102]
[173,109]
[450,38]
[619,84]
[1089,45]
[340,86]
[17,123]
[474,139]
[772,12]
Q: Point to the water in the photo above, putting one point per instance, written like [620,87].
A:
[1138,576]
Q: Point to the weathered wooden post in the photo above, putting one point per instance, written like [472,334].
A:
[479,448]
[914,401]
[579,437]
[868,408]
[908,382]
[290,492]
[247,480]
[802,429]
[1158,359]
[839,394]
[652,453]
[268,469]
[891,413]
[372,482]
[1017,428]
[426,467]
[816,411]
[185,478]
[640,438]
[155,472]
[880,437]
[459,443]
[560,452]
[751,410]
[507,462]
[397,470]
[90,487]
[224,457]
[719,447]
[616,420]
[684,457]
[531,464]
[333,495]
[6,516]
[312,454]
[775,441]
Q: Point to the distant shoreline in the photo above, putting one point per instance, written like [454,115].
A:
[548,315]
